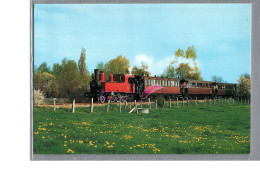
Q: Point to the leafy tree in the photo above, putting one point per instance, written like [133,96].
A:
[217,79]
[119,65]
[244,86]
[191,53]
[85,75]
[141,71]
[184,70]
[44,80]
[179,53]
[69,78]
[44,68]
[169,72]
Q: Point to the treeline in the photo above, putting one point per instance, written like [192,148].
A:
[71,79]
[66,80]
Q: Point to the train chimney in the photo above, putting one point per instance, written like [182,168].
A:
[111,78]
[96,74]
[102,76]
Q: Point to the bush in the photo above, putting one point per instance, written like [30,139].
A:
[160,101]
[38,97]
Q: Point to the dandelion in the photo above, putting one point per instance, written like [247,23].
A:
[70,151]
[90,143]
[80,142]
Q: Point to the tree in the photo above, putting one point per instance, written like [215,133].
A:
[85,75]
[141,71]
[43,68]
[69,79]
[217,79]
[184,70]
[119,65]
[169,72]
[44,80]
[191,53]
[179,53]
[244,86]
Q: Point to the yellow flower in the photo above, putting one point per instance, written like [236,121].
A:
[70,151]
[95,146]
[131,147]
[36,133]
[107,142]
[90,143]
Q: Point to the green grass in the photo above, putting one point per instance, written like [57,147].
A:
[215,129]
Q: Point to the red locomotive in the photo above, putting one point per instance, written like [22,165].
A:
[122,87]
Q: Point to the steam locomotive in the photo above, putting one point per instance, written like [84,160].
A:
[122,87]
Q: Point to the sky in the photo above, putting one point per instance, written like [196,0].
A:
[146,33]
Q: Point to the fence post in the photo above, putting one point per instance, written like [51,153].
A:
[108,105]
[141,104]
[222,101]
[135,104]
[187,102]
[177,102]
[204,101]
[125,104]
[170,103]
[163,103]
[54,104]
[183,102]
[149,103]
[91,106]
[155,104]
[73,106]
[120,106]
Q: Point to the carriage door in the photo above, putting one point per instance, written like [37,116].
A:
[131,82]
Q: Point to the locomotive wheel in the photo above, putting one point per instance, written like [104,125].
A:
[102,99]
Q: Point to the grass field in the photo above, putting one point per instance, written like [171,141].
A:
[211,129]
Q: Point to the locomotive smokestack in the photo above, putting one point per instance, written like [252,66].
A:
[102,76]
[96,74]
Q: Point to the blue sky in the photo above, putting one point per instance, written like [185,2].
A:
[148,33]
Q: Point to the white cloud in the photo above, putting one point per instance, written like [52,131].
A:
[158,67]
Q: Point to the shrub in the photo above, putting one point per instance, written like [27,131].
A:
[38,97]
[160,101]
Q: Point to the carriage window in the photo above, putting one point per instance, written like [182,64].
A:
[172,83]
[160,82]
[153,81]
[176,83]
[163,83]
[169,83]
[149,82]
[190,84]
[146,82]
